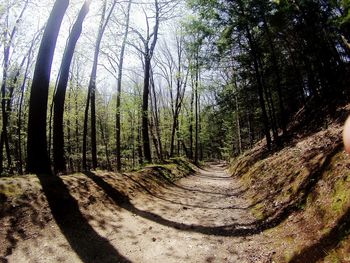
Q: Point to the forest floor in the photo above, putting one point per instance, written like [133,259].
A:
[200,218]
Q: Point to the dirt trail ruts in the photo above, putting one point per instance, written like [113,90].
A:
[200,218]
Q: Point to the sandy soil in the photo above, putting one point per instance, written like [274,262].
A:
[201,218]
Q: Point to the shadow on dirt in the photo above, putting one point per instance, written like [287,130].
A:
[148,191]
[227,230]
[83,239]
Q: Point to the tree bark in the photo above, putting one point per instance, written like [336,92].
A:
[119,89]
[196,149]
[21,98]
[156,119]
[38,159]
[145,133]
[191,123]
[148,54]
[238,123]
[105,142]
[59,97]
[139,143]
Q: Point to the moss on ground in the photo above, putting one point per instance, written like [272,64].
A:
[10,190]
[258,211]
[172,169]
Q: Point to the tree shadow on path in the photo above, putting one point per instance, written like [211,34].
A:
[124,202]
[182,204]
[83,239]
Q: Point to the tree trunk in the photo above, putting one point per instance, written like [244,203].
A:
[139,143]
[191,123]
[105,142]
[156,118]
[172,138]
[145,133]
[92,90]
[85,131]
[196,149]
[133,139]
[59,97]
[258,77]
[69,144]
[119,88]
[154,123]
[77,141]
[148,54]
[38,159]
[19,114]
[238,126]
[154,138]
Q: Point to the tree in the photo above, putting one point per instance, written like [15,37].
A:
[59,97]
[21,100]
[91,98]
[162,12]
[9,35]
[149,44]
[38,159]
[173,70]
[197,32]
[119,87]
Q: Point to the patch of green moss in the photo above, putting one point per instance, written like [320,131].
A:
[11,190]
[172,170]
[183,164]
[164,171]
[285,195]
[332,257]
[325,231]
[288,255]
[340,199]
[259,211]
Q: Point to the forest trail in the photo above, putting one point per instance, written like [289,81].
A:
[200,218]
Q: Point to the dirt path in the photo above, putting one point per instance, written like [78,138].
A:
[201,218]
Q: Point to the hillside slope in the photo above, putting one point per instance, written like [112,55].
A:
[301,196]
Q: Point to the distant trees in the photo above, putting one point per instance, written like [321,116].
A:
[147,50]
[91,98]
[162,11]
[175,69]
[6,97]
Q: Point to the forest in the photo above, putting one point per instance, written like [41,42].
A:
[181,100]
[142,82]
